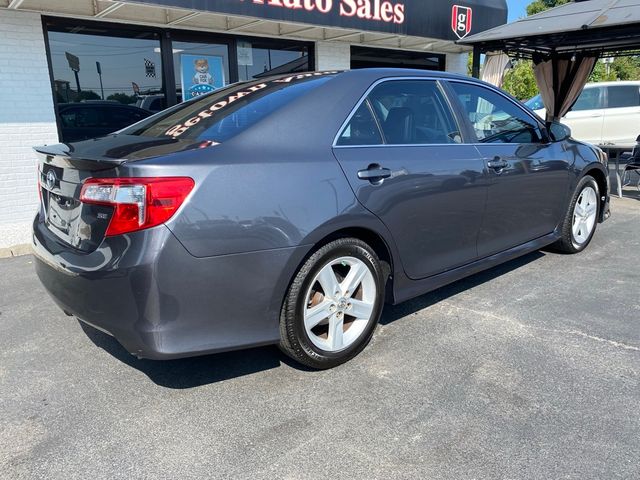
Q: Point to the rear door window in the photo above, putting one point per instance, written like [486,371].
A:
[120,117]
[620,96]
[156,105]
[414,112]
[68,117]
[83,117]
[590,99]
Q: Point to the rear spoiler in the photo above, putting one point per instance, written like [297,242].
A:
[61,156]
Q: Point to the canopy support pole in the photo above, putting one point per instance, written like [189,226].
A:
[475,68]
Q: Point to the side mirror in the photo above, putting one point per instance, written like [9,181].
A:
[558,131]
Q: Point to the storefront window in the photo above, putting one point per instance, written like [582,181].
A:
[107,76]
[92,67]
[199,68]
[257,59]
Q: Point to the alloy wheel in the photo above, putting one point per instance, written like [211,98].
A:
[584,215]
[339,304]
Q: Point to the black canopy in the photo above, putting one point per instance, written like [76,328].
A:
[593,27]
[564,43]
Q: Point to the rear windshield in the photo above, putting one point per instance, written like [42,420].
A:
[222,114]
[535,103]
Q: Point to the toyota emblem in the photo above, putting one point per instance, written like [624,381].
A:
[51,179]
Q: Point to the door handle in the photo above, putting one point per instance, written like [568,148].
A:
[374,173]
[497,163]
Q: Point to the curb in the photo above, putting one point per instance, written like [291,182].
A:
[16,251]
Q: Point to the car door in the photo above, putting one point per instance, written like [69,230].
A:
[528,177]
[403,154]
[586,117]
[622,115]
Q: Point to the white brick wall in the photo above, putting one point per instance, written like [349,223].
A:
[26,119]
[333,56]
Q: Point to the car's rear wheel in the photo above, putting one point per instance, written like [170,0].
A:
[333,304]
[582,217]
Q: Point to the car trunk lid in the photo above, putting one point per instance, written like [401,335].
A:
[64,168]
[60,181]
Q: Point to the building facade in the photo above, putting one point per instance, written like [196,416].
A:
[156,53]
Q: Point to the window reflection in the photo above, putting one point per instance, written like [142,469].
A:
[90,67]
[262,59]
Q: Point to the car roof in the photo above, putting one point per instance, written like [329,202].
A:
[622,83]
[399,72]
[372,74]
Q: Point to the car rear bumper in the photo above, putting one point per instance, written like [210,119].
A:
[159,301]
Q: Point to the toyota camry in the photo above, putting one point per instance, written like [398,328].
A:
[289,210]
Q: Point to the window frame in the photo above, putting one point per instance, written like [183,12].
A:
[545,139]
[440,84]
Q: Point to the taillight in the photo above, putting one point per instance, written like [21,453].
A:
[138,203]
[39,184]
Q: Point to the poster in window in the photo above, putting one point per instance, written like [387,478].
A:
[200,74]
[245,54]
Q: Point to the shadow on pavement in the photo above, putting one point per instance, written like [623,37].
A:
[204,370]
[195,371]
[395,312]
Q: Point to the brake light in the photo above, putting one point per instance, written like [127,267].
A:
[39,184]
[138,203]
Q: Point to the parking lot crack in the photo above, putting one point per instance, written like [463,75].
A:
[521,326]
[614,343]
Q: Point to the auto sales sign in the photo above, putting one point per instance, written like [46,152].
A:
[434,19]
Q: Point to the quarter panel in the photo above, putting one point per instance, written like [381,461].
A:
[256,200]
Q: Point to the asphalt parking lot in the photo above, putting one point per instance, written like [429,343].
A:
[529,370]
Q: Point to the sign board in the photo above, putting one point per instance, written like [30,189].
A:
[245,54]
[420,18]
[74,62]
[200,74]
[461,20]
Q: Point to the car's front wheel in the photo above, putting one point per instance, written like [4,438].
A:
[333,304]
[582,217]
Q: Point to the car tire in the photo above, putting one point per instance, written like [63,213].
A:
[581,220]
[322,329]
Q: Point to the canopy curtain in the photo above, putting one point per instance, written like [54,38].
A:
[560,80]
[495,66]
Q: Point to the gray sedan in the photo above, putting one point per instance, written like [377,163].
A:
[288,210]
